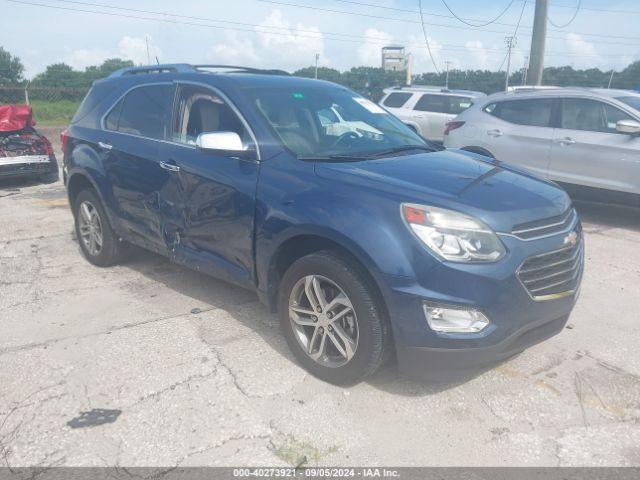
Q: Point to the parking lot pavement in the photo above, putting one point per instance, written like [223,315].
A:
[149,363]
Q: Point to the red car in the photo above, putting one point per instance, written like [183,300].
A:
[23,151]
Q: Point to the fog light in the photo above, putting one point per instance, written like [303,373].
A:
[454,320]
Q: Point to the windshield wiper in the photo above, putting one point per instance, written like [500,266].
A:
[401,148]
[332,158]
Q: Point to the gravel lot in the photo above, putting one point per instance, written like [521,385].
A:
[194,371]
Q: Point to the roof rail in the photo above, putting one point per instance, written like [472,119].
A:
[160,68]
[238,69]
[186,68]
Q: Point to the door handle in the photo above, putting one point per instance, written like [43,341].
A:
[105,146]
[494,133]
[170,167]
[565,141]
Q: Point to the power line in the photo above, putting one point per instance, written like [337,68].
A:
[604,10]
[426,38]
[456,27]
[515,32]
[575,14]
[171,18]
[434,14]
[472,24]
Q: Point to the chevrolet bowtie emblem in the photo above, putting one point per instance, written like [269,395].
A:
[571,239]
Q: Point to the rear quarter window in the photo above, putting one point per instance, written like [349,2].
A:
[396,99]
[459,104]
[87,111]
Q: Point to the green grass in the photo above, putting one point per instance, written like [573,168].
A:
[49,114]
[299,454]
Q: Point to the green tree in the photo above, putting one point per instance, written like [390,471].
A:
[109,66]
[628,78]
[59,75]
[11,68]
[324,73]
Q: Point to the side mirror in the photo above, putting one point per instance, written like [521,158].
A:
[630,127]
[226,144]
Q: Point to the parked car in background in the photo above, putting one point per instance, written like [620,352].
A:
[426,110]
[586,139]
[23,151]
[365,244]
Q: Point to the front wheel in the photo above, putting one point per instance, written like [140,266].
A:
[331,319]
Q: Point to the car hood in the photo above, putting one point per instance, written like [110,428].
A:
[499,194]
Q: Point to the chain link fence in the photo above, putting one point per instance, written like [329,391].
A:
[51,106]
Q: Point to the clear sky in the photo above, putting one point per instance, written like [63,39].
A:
[288,33]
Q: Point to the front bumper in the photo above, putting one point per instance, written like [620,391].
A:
[441,364]
[518,319]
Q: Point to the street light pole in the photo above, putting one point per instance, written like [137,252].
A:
[317,58]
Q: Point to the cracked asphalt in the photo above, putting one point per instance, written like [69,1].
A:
[192,371]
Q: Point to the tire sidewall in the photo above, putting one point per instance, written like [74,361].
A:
[368,353]
[105,257]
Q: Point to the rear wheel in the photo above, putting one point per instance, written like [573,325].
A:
[98,242]
[331,320]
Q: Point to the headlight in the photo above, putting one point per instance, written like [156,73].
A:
[451,235]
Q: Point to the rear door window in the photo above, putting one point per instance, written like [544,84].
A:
[396,99]
[590,115]
[532,112]
[143,112]
[433,103]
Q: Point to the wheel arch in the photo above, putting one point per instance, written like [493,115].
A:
[301,244]
[78,182]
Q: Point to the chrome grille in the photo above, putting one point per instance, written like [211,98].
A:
[554,274]
[545,227]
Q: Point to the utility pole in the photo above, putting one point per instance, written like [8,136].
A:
[446,78]
[610,79]
[409,69]
[536,66]
[525,68]
[317,58]
[511,42]
[146,39]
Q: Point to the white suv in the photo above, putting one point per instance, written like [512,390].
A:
[586,139]
[427,109]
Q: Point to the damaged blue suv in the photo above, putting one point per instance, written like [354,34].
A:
[366,239]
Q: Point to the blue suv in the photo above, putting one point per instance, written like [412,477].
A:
[368,240]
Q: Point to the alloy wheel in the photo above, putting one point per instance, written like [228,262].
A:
[90,228]
[324,321]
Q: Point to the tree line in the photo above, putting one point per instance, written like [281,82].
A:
[368,81]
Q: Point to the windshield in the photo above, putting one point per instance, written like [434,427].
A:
[325,122]
[633,102]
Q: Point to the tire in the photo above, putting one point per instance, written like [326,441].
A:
[334,273]
[112,250]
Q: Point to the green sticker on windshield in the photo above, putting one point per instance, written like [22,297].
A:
[298,95]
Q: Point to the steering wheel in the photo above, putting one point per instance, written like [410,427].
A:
[344,137]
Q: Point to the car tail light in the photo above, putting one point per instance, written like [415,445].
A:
[64,139]
[452,126]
